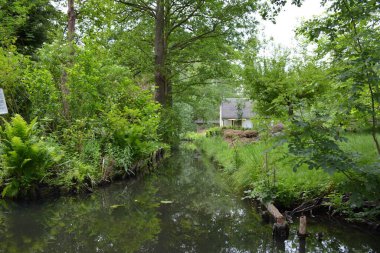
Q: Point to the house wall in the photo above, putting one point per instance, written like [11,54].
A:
[226,123]
[247,124]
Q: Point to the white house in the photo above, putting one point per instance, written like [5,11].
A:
[236,112]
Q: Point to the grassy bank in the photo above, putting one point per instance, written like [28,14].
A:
[266,171]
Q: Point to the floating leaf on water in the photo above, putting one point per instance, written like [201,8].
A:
[166,201]
[116,206]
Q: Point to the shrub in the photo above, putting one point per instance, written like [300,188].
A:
[169,127]
[25,158]
[112,123]
[13,67]
[214,131]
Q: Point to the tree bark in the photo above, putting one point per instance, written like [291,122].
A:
[280,229]
[64,93]
[290,109]
[71,21]
[70,39]
[163,88]
[374,119]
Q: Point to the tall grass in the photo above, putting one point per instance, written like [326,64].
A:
[361,143]
[218,150]
[265,173]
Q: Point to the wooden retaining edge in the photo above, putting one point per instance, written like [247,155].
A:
[280,227]
[141,167]
[150,163]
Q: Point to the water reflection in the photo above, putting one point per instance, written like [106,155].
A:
[335,237]
[107,221]
[185,206]
[205,215]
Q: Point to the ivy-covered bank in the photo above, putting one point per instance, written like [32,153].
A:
[265,170]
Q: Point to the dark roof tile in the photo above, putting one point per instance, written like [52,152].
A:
[230,108]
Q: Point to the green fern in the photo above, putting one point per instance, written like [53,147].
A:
[24,158]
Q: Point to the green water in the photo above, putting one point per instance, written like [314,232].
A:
[185,206]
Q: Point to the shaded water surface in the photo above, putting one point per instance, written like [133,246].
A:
[185,206]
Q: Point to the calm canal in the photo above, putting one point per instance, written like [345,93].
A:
[184,206]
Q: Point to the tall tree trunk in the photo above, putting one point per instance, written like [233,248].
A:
[70,39]
[71,21]
[374,119]
[163,88]
[64,93]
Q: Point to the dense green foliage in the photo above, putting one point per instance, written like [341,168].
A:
[25,159]
[281,84]
[26,24]
[325,98]
[94,101]
[12,68]
[112,122]
[266,173]
[349,33]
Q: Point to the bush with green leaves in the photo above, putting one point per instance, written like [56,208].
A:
[13,67]
[214,131]
[25,158]
[351,158]
[170,127]
[187,117]
[112,122]
[111,125]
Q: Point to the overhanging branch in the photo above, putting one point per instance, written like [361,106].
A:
[141,7]
[209,34]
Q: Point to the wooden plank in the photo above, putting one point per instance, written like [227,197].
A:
[278,217]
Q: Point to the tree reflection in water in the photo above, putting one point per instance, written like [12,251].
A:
[111,220]
[184,206]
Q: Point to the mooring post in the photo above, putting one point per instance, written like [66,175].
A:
[280,227]
[302,234]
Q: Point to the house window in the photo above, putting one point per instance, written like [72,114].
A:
[237,123]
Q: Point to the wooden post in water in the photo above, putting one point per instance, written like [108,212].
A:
[280,227]
[302,234]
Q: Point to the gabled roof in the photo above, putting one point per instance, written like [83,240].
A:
[230,108]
